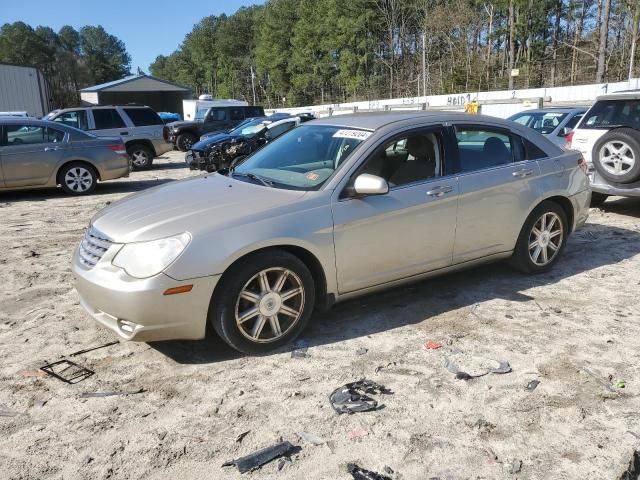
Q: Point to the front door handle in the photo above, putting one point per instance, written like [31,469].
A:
[439,191]
[124,133]
[50,149]
[525,172]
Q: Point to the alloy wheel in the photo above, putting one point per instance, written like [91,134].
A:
[140,158]
[269,305]
[78,179]
[616,157]
[545,239]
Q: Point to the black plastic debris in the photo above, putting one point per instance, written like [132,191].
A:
[91,349]
[67,371]
[354,397]
[532,385]
[261,457]
[359,473]
[111,394]
[240,437]
[479,367]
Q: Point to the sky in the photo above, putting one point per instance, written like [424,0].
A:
[147,27]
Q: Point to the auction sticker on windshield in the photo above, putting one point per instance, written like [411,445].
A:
[357,134]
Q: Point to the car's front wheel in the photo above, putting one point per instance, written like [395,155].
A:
[542,239]
[263,302]
[185,141]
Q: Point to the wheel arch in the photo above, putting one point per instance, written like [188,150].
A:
[142,141]
[305,256]
[564,203]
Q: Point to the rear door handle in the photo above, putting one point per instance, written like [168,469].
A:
[50,149]
[525,172]
[124,133]
[439,191]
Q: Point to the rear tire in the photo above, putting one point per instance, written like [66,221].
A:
[597,199]
[616,156]
[542,239]
[263,302]
[185,141]
[141,156]
[77,178]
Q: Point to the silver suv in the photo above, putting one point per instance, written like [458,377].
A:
[141,129]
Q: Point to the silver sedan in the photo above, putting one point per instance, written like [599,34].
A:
[335,208]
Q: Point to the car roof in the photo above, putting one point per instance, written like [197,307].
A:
[622,95]
[377,120]
[90,107]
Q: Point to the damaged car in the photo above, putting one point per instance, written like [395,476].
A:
[226,150]
[335,208]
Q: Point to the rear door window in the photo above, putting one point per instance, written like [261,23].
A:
[76,119]
[142,117]
[54,135]
[484,147]
[613,113]
[25,135]
[106,118]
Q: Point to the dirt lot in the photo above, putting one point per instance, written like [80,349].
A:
[575,330]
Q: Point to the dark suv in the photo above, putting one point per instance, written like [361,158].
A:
[214,119]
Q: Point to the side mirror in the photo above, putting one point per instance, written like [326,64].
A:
[367,184]
[565,132]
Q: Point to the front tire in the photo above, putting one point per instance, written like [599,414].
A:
[542,239]
[141,156]
[263,302]
[185,141]
[78,178]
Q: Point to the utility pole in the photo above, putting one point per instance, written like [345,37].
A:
[253,85]
[634,39]
[424,64]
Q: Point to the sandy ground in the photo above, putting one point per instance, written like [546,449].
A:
[576,330]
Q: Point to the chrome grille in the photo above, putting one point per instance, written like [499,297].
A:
[92,247]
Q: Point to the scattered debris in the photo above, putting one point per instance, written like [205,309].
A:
[240,437]
[532,385]
[482,425]
[300,352]
[162,435]
[111,394]
[515,467]
[80,352]
[359,473]
[431,345]
[311,438]
[620,384]
[281,464]
[388,470]
[361,351]
[354,397]
[358,433]
[599,379]
[32,373]
[32,254]
[67,371]
[633,471]
[380,367]
[39,403]
[87,460]
[259,458]
[5,412]
[473,367]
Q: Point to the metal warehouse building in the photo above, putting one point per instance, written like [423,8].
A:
[23,89]
[158,94]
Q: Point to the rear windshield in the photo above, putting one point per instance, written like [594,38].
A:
[142,117]
[613,113]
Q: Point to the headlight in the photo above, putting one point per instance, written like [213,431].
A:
[146,259]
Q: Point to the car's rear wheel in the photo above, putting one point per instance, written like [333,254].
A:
[141,156]
[185,141]
[263,302]
[542,239]
[78,178]
[597,199]
[616,156]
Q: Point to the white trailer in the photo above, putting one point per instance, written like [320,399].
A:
[190,107]
[23,89]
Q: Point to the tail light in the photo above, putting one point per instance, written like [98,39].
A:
[583,166]
[165,133]
[119,149]
[570,139]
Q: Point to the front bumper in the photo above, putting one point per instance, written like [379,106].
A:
[138,309]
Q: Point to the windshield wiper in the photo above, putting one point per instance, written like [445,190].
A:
[253,176]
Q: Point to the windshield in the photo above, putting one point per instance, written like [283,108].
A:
[305,157]
[201,114]
[249,129]
[543,122]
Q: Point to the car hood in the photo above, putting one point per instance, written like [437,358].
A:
[183,123]
[208,142]
[203,203]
